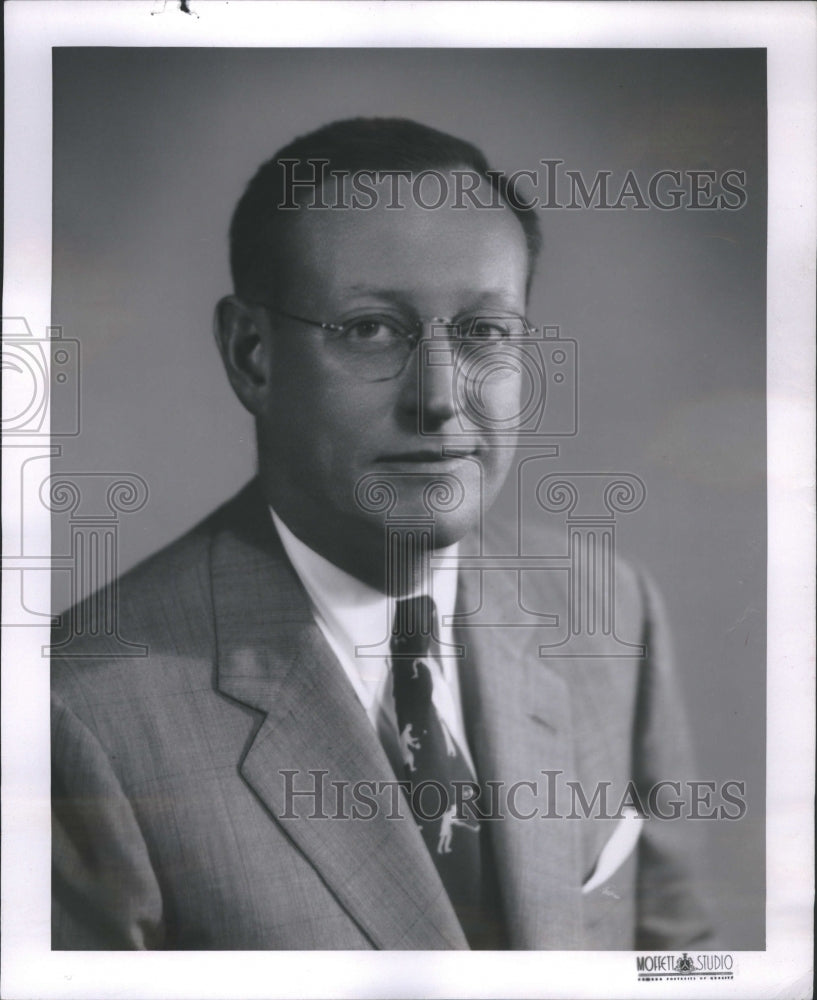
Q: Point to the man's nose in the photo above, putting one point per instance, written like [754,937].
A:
[437,398]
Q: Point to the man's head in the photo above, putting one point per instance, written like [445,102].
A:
[354,149]
[332,339]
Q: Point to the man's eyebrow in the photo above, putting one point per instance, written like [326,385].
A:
[492,298]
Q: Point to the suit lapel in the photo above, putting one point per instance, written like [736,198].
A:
[273,658]
[519,719]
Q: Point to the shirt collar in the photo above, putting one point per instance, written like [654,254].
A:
[355,613]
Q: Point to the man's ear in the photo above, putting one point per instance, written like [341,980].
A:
[244,341]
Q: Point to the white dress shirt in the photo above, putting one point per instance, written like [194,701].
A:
[353,615]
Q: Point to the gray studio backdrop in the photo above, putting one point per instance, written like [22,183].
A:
[152,147]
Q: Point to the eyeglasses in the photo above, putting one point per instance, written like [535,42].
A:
[376,346]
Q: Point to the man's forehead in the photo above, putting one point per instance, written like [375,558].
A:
[384,226]
[475,253]
[396,226]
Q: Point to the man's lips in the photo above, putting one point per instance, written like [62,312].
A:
[426,457]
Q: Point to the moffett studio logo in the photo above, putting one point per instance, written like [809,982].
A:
[667,966]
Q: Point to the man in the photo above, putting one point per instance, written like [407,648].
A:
[318,751]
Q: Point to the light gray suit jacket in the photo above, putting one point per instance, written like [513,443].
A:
[169,773]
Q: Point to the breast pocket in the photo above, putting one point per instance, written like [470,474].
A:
[608,895]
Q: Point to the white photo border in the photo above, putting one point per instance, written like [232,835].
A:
[787,31]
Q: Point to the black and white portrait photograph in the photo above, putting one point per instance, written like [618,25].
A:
[406,534]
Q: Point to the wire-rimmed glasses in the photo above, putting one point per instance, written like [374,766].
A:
[376,345]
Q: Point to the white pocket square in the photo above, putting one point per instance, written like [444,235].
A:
[617,849]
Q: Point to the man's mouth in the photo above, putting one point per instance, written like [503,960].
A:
[428,455]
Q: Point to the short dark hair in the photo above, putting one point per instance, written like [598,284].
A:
[258,227]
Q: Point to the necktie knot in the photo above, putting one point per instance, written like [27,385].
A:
[413,626]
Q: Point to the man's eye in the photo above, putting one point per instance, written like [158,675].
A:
[372,329]
[490,329]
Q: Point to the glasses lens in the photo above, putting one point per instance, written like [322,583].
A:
[375,346]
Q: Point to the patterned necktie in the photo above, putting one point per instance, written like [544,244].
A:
[438,778]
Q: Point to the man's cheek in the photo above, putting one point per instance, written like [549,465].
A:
[495,400]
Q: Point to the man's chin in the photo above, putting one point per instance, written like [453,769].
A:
[436,490]
[445,528]
[407,547]
[451,529]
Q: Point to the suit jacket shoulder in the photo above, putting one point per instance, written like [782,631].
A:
[163,607]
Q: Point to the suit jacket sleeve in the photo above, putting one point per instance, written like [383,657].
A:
[105,894]
[670,908]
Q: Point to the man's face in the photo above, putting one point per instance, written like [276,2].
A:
[325,425]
